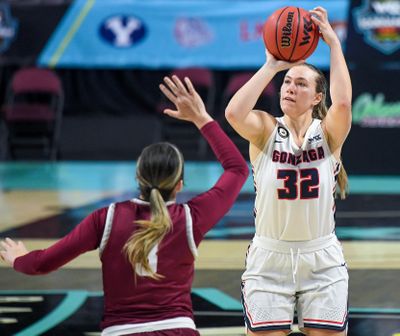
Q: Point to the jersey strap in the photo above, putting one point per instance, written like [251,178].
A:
[107,228]
[189,231]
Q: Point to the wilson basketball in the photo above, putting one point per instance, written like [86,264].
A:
[290,35]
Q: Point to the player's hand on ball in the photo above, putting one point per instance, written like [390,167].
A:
[320,18]
[279,65]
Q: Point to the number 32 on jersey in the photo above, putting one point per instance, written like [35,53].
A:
[298,184]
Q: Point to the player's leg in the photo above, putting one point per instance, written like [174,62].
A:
[321,332]
[323,302]
[268,291]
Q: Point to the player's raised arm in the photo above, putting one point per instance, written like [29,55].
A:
[338,120]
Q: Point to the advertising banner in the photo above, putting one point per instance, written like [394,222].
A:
[374,34]
[25,28]
[373,53]
[373,141]
[376,109]
[156,34]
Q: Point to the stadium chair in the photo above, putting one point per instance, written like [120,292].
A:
[32,112]
[182,133]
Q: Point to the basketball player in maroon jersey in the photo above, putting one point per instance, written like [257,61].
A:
[295,262]
[148,244]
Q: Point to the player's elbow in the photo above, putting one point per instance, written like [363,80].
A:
[242,171]
[343,106]
[230,114]
[342,101]
[245,173]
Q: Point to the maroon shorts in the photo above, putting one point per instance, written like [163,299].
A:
[169,332]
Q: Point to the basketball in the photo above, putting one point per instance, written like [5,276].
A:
[290,35]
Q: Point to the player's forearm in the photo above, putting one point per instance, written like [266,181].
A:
[30,264]
[340,89]
[225,150]
[246,97]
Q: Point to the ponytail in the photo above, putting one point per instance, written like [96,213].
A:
[150,232]
[159,170]
[342,182]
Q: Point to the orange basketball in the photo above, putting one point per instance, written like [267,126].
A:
[290,35]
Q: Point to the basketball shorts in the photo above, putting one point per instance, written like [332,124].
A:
[282,277]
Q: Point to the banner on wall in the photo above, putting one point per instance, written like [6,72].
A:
[8,27]
[25,29]
[374,34]
[374,104]
[156,34]
[376,110]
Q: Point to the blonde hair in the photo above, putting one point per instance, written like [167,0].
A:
[159,169]
[319,112]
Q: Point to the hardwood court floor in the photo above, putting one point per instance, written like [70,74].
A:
[39,203]
[368,288]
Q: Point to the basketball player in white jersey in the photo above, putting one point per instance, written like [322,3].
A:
[295,262]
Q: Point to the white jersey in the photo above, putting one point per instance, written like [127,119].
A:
[295,186]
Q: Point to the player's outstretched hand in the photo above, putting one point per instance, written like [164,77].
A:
[188,103]
[11,250]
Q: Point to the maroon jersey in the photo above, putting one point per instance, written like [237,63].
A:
[147,300]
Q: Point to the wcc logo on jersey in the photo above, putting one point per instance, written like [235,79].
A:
[8,27]
[379,22]
[123,31]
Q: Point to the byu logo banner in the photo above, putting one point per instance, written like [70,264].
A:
[122,31]
[154,34]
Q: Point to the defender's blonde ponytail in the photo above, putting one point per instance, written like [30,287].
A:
[159,169]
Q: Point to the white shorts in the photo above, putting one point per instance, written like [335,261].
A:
[282,276]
